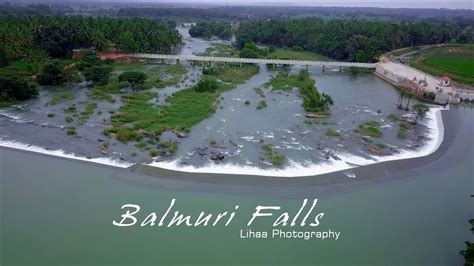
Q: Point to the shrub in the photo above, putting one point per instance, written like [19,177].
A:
[52,74]
[262,104]
[206,85]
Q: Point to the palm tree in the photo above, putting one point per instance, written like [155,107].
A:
[421,110]
[100,42]
[401,93]
[410,95]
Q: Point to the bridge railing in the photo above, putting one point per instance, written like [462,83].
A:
[253,60]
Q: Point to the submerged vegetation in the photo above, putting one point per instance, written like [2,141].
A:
[268,154]
[371,129]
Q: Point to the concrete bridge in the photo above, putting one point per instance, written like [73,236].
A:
[254,60]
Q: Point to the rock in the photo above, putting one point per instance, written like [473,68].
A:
[217,157]
[100,140]
[315,116]
[181,134]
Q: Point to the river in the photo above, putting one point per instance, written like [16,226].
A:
[59,212]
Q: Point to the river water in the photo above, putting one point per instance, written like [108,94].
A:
[60,212]
[239,130]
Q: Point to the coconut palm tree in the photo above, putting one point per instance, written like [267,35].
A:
[410,95]
[421,110]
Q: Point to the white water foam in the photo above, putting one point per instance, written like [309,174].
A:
[434,123]
[347,161]
[61,153]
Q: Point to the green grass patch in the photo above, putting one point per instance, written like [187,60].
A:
[285,53]
[457,62]
[370,129]
[60,98]
[332,133]
[268,154]
[71,131]
[260,92]
[262,104]
[171,146]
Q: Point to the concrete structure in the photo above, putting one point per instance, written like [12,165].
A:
[422,84]
[254,60]
[445,81]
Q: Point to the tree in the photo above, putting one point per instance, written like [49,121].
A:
[126,42]
[134,78]
[52,73]
[3,58]
[410,95]
[421,110]
[15,88]
[206,85]
[97,74]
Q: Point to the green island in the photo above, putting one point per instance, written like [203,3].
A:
[313,101]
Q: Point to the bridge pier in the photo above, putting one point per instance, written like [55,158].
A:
[163,61]
[306,66]
[340,69]
[177,61]
[324,68]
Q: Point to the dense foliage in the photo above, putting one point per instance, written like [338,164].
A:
[313,101]
[58,35]
[14,87]
[222,30]
[352,40]
[134,78]
[52,74]
[206,85]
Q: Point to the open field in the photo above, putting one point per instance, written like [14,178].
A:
[457,62]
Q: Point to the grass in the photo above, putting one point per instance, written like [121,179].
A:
[71,131]
[286,53]
[60,98]
[260,92]
[332,133]
[393,117]
[171,146]
[182,110]
[370,129]
[88,111]
[247,102]
[285,82]
[69,119]
[262,104]
[457,62]
[403,128]
[221,50]
[233,74]
[270,155]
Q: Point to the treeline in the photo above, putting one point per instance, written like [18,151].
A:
[59,35]
[284,12]
[353,40]
[222,30]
